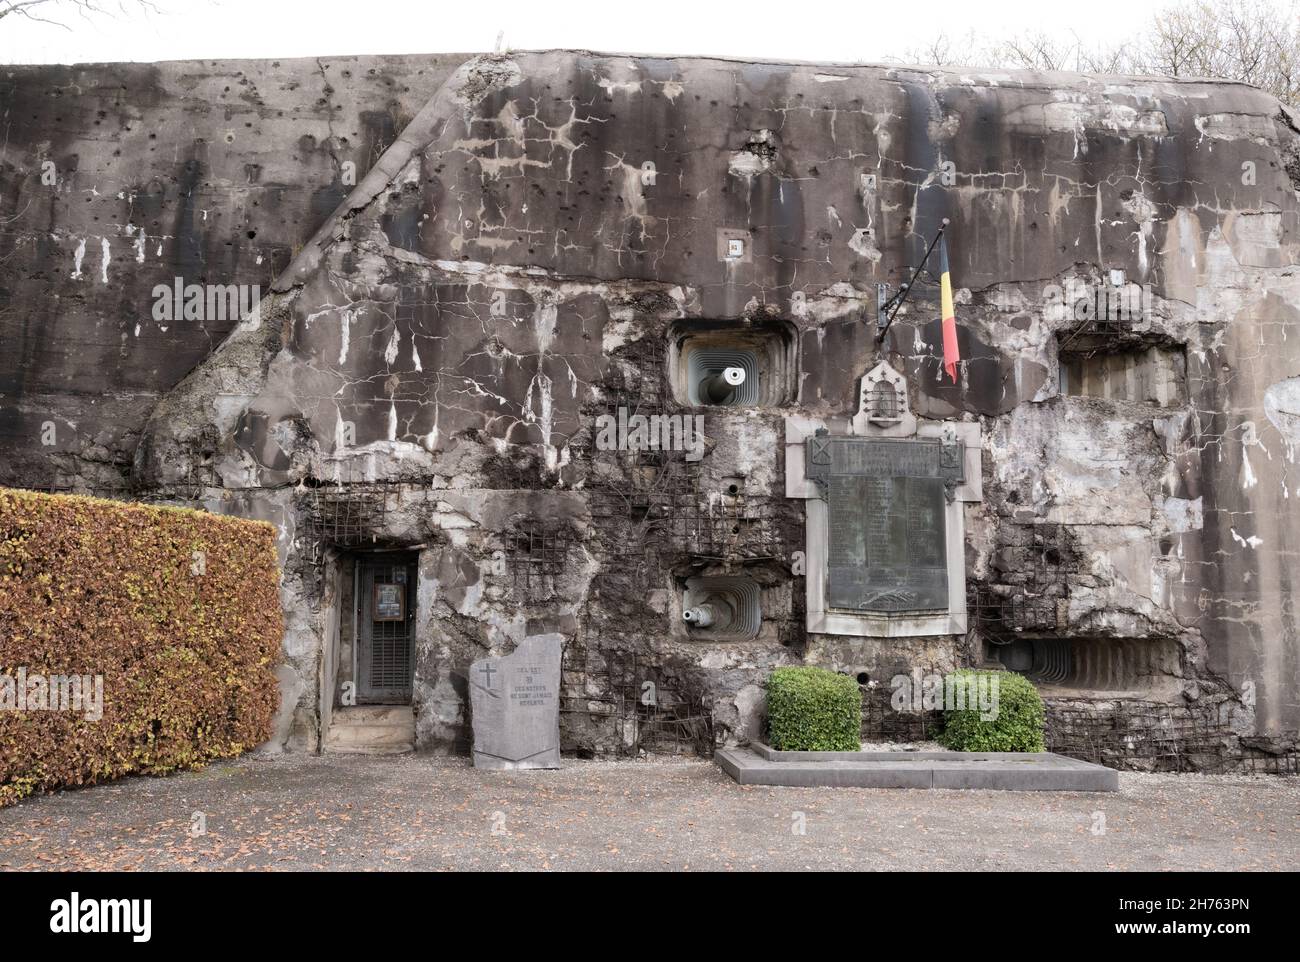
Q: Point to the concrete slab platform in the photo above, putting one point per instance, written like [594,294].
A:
[758,764]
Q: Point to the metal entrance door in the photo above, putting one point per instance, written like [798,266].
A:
[385,625]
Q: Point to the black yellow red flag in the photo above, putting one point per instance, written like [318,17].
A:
[951,354]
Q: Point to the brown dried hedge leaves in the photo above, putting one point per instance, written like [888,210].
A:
[177,611]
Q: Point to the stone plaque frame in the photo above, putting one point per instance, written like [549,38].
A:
[804,480]
[887,505]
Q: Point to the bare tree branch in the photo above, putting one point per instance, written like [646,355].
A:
[27,9]
[1253,41]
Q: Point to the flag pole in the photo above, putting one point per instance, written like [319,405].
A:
[897,300]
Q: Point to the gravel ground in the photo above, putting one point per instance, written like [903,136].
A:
[418,812]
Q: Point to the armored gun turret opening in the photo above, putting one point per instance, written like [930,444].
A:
[732,364]
[722,608]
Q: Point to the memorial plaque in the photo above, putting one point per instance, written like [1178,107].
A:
[887,505]
[515,706]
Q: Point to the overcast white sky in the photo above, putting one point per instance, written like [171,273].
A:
[787,29]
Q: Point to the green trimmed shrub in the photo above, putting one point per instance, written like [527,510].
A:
[813,710]
[1017,727]
[174,614]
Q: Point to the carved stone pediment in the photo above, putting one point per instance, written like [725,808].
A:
[883,405]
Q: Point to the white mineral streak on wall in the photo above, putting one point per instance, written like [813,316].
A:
[619,86]
[542,415]
[1248,439]
[340,430]
[1252,541]
[390,352]
[1282,408]
[345,327]
[544,318]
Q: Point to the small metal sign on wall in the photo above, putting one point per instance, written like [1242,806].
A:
[389,602]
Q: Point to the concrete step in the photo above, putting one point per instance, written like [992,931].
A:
[1006,771]
[371,730]
[375,714]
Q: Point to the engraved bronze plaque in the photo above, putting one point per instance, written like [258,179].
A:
[887,519]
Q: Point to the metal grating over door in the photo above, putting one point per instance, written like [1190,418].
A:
[385,618]
[390,656]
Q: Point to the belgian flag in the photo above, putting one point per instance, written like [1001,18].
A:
[951,355]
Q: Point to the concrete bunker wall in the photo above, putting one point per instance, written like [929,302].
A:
[526,256]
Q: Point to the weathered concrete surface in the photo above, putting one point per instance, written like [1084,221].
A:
[521,258]
[216,172]
[302,812]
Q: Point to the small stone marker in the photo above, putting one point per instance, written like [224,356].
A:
[515,705]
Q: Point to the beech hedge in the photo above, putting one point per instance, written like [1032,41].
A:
[172,615]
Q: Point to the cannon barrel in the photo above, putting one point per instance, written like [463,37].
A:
[721,387]
[715,612]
